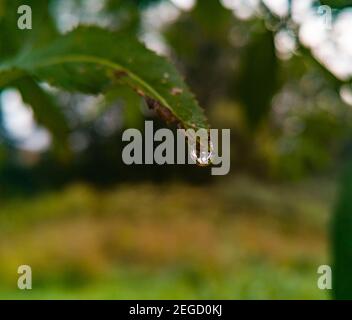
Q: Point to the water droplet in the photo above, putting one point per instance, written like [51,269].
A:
[202,157]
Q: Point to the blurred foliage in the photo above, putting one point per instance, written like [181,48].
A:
[205,55]
[44,107]
[246,240]
[285,114]
[12,39]
[338,4]
[258,77]
[341,238]
[227,61]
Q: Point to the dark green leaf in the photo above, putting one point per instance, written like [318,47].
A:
[342,239]
[90,59]
[44,108]
[258,81]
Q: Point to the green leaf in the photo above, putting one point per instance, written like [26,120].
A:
[342,238]
[258,78]
[44,108]
[14,40]
[132,116]
[338,4]
[90,60]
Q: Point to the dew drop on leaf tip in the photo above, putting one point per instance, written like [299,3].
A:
[201,157]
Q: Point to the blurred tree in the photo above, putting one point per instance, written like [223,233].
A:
[258,80]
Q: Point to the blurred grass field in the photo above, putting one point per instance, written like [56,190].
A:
[236,240]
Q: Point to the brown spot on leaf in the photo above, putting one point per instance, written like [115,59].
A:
[163,112]
[120,74]
[140,92]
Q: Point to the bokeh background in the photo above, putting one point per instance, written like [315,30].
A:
[276,72]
